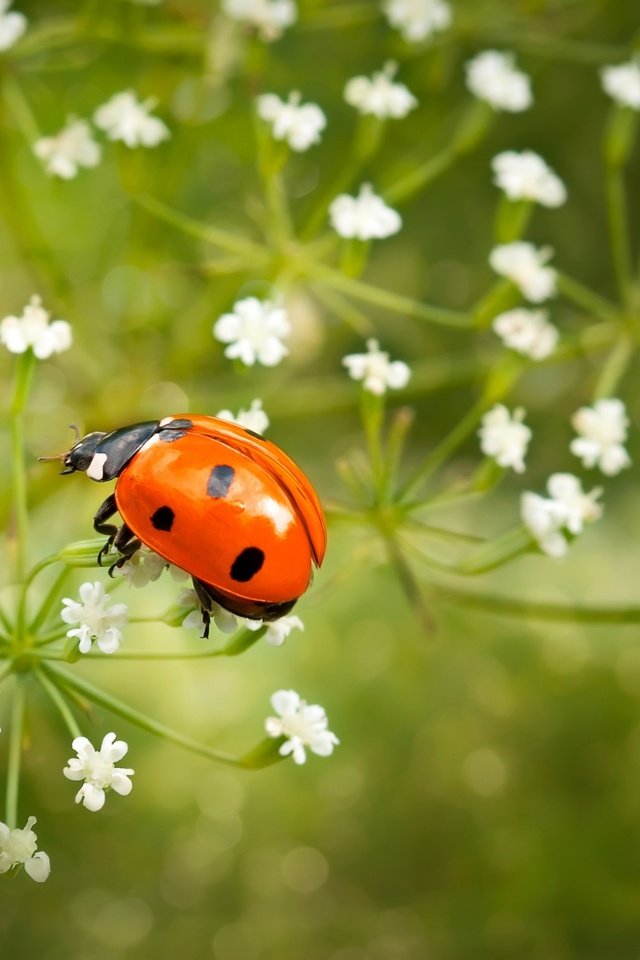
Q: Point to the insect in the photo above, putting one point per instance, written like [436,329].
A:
[215,499]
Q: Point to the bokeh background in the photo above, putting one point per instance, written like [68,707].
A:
[484,801]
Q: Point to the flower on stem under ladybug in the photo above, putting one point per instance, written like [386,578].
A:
[254,331]
[64,152]
[12,25]
[146,566]
[300,124]
[602,431]
[304,726]
[97,620]
[376,370]
[126,118]
[254,418]
[505,437]
[622,83]
[526,266]
[19,847]
[365,217]
[33,331]
[527,332]
[379,95]
[567,509]
[277,630]
[526,176]
[225,621]
[270,17]
[98,770]
[418,19]
[493,77]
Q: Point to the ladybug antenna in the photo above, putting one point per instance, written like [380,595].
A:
[56,456]
[78,435]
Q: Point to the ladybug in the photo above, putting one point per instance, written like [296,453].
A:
[215,499]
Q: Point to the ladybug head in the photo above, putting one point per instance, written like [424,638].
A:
[81,453]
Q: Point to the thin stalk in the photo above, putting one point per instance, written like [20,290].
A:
[15,756]
[409,584]
[556,612]
[24,371]
[618,230]
[420,177]
[51,597]
[351,315]
[59,703]
[583,297]
[614,368]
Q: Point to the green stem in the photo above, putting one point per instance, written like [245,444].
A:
[5,671]
[351,315]
[556,612]
[614,368]
[53,595]
[618,230]
[60,703]
[420,176]
[24,371]
[409,584]
[583,297]
[15,754]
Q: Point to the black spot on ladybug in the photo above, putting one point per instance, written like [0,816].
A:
[220,479]
[168,436]
[163,518]
[252,433]
[183,424]
[247,564]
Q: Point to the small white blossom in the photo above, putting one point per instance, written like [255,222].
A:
[96,622]
[12,25]
[73,147]
[603,431]
[33,330]
[376,370]
[97,769]
[254,419]
[365,217]
[567,509]
[526,176]
[525,266]
[254,332]
[277,630]
[527,331]
[505,437]
[300,124]
[20,846]
[622,83]
[225,621]
[125,118]
[303,725]
[270,17]
[379,95]
[145,567]
[418,19]
[492,76]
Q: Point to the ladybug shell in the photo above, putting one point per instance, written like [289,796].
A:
[225,505]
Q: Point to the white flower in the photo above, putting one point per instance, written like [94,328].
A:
[302,725]
[254,419]
[225,621]
[525,266]
[527,331]
[97,769]
[300,124]
[492,76]
[12,25]
[526,176]
[567,509]
[142,568]
[379,96]
[125,118]
[33,330]
[73,147]
[603,431]
[622,83]
[277,630]
[418,19]
[376,370]
[365,217]
[95,621]
[505,437]
[254,332]
[19,846]
[270,17]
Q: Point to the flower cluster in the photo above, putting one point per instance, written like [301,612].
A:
[564,512]
[418,19]
[300,124]
[526,266]
[527,332]
[525,176]
[12,25]
[97,620]
[622,83]
[19,847]
[365,217]
[376,370]
[269,17]
[379,95]
[493,77]
[505,437]
[33,331]
[255,331]
[603,431]
[97,769]
[302,725]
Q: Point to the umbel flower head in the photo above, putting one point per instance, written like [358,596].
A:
[12,25]
[603,431]
[505,437]
[126,118]
[97,769]
[254,331]
[493,77]
[270,17]
[252,419]
[525,176]
[566,510]
[300,124]
[379,95]
[622,83]
[376,370]
[365,217]
[69,149]
[20,846]
[527,331]
[278,630]
[95,621]
[302,724]
[526,267]
[33,330]
[418,19]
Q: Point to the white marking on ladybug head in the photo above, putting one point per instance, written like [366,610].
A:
[95,470]
[166,421]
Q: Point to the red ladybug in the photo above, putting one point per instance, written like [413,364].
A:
[215,499]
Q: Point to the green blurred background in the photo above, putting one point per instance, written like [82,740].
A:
[484,801]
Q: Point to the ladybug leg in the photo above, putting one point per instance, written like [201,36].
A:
[105,511]
[126,545]
[206,603]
